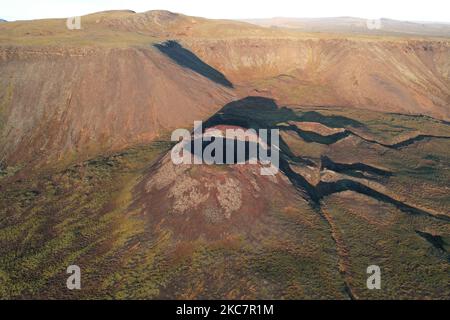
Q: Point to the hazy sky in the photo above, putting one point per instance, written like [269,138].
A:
[418,10]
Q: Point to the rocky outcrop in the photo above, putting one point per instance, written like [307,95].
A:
[394,76]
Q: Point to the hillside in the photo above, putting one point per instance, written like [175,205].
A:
[86,176]
[395,75]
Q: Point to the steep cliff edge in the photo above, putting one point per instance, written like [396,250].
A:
[64,103]
[407,77]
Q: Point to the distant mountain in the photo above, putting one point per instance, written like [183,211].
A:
[357,25]
[2,20]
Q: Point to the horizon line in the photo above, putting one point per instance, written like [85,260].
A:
[9,19]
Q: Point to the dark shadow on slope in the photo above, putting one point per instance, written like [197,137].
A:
[327,188]
[358,170]
[252,112]
[260,112]
[187,59]
[418,138]
[263,113]
[309,136]
[329,121]
[435,241]
[229,153]
[300,183]
[257,113]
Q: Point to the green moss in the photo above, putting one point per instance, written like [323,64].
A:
[78,215]
[386,237]
[5,101]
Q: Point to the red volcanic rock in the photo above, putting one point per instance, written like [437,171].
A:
[59,103]
[210,201]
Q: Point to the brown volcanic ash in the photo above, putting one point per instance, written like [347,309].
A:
[392,76]
[88,101]
[210,201]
